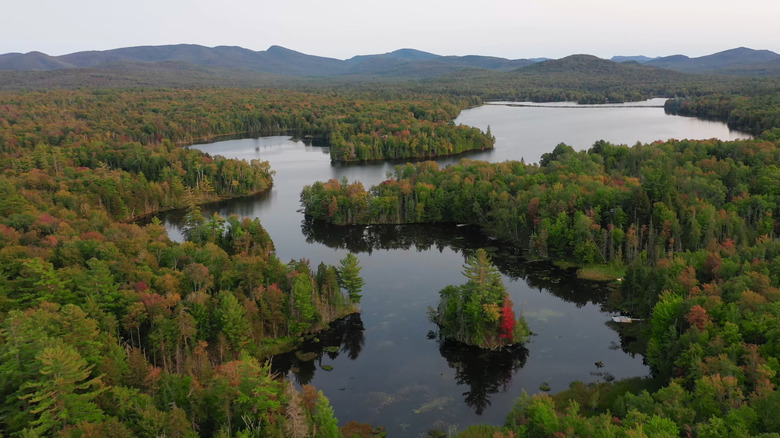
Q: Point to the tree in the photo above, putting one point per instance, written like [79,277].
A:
[304,310]
[507,320]
[326,425]
[350,279]
[258,392]
[62,394]
[233,320]
[194,222]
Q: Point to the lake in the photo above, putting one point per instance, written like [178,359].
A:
[388,367]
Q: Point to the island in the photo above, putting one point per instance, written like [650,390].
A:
[480,311]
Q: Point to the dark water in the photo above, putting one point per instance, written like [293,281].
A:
[388,367]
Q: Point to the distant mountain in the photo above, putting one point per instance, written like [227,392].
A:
[276,60]
[404,63]
[578,64]
[729,60]
[414,63]
[400,55]
[603,76]
[771,68]
[33,61]
[641,59]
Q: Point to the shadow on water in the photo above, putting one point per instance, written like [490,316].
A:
[243,206]
[508,258]
[485,372]
[344,336]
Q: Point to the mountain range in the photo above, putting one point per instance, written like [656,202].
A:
[276,60]
[741,60]
[403,63]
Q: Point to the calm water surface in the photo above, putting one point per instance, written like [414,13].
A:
[387,367]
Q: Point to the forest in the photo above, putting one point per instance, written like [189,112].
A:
[109,328]
[356,126]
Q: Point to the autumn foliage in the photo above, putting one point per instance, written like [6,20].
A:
[507,320]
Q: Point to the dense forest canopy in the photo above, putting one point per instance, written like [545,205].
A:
[110,328]
[358,127]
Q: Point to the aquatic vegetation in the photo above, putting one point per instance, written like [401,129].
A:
[438,403]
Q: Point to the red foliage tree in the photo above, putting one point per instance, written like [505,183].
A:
[507,320]
[698,317]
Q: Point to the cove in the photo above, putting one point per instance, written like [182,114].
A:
[384,366]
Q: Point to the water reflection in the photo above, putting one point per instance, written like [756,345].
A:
[540,275]
[344,336]
[485,372]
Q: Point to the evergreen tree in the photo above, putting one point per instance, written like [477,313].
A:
[233,320]
[326,425]
[62,394]
[350,279]
[305,312]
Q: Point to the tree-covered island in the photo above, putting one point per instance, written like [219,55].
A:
[480,311]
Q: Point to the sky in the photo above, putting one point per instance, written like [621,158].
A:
[344,28]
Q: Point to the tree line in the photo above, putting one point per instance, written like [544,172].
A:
[752,114]
[358,126]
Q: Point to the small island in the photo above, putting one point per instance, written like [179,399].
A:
[480,311]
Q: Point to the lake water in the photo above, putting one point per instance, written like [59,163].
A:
[387,367]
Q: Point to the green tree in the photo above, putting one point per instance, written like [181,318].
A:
[233,321]
[481,272]
[305,311]
[326,424]
[62,394]
[350,279]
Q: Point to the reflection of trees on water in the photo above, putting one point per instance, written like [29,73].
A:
[344,336]
[633,337]
[486,372]
[464,239]
[241,207]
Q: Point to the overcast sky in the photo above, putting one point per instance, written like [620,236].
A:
[344,28]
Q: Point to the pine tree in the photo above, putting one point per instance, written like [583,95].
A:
[326,425]
[233,320]
[350,279]
[63,394]
[303,305]
[481,273]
